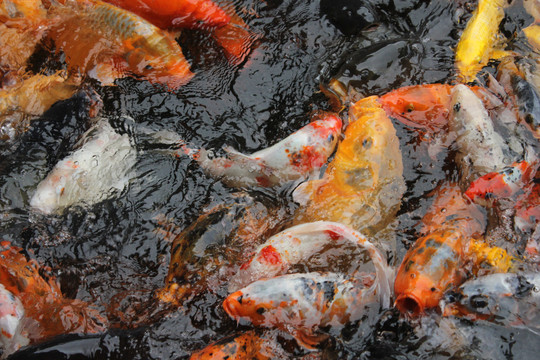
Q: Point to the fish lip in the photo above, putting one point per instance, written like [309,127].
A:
[229,307]
[410,304]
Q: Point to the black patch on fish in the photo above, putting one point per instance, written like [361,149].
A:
[479,301]
[367,143]
[524,288]
[457,107]
[261,310]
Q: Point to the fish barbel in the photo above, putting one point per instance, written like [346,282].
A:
[298,243]
[480,149]
[111,42]
[90,173]
[477,42]
[176,13]
[301,304]
[11,316]
[363,185]
[296,157]
[507,299]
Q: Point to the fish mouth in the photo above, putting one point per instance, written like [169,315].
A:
[409,304]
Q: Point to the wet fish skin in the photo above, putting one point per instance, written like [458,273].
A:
[11,318]
[509,299]
[296,157]
[89,174]
[302,303]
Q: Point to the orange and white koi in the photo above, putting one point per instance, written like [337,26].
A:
[302,304]
[11,317]
[176,13]
[89,174]
[480,149]
[298,156]
[110,42]
[501,184]
[476,45]
[298,243]
[506,299]
[363,185]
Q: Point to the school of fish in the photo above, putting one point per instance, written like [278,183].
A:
[311,273]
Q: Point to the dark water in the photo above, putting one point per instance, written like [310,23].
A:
[110,254]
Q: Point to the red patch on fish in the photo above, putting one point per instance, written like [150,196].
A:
[333,235]
[269,255]
[307,159]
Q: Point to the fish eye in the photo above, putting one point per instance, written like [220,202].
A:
[366,143]
[479,301]
[331,138]
[148,67]
[261,310]
[409,107]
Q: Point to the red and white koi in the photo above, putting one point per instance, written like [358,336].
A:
[89,174]
[301,304]
[11,317]
[507,299]
[480,149]
[298,243]
[298,156]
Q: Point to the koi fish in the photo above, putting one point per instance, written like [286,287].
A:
[205,254]
[363,185]
[89,174]
[533,8]
[436,261]
[527,217]
[506,299]
[176,13]
[302,304]
[476,44]
[480,149]
[40,295]
[296,157]
[501,184]
[11,317]
[111,42]
[298,243]
[532,32]
[420,106]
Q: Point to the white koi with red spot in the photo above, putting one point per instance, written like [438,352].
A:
[11,316]
[90,174]
[298,243]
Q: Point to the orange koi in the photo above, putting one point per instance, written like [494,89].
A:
[363,185]
[501,184]
[111,42]
[42,298]
[423,106]
[177,13]
[436,261]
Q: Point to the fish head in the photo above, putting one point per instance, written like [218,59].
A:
[50,191]
[240,306]
[417,292]
[483,190]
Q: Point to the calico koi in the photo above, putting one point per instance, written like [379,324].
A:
[302,304]
[476,44]
[176,13]
[89,174]
[296,157]
[298,243]
[111,42]
[506,299]
[363,185]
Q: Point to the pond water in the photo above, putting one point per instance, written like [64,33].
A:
[112,255]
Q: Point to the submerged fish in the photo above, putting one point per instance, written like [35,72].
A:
[89,174]
[107,42]
[502,184]
[480,149]
[298,243]
[296,157]
[503,298]
[363,185]
[176,13]
[302,304]
[11,317]
[476,45]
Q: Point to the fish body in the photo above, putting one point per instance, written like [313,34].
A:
[111,42]
[527,207]
[11,317]
[480,149]
[477,42]
[435,263]
[528,103]
[298,243]
[176,13]
[302,303]
[532,32]
[89,174]
[296,157]
[504,298]
[501,184]
[363,185]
